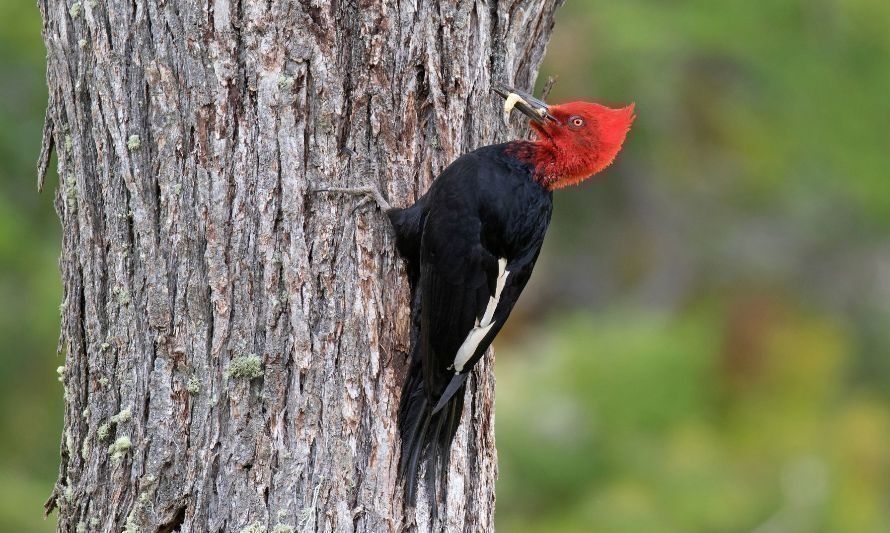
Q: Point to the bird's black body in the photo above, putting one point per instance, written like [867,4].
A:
[470,244]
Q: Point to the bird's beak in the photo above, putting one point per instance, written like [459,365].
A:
[535,109]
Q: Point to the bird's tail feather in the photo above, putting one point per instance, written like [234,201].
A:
[426,436]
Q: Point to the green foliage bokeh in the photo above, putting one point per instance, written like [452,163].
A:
[719,358]
[30,290]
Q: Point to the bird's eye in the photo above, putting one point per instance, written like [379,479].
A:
[576,122]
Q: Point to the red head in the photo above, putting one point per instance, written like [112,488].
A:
[583,140]
[574,140]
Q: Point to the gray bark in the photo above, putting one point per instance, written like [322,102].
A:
[235,343]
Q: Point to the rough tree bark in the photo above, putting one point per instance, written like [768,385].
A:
[235,343]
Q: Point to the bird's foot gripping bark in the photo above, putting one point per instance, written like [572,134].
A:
[372,192]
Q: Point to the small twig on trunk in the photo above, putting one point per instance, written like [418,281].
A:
[46,149]
[545,91]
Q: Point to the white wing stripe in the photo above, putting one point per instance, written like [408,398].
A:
[468,347]
[493,301]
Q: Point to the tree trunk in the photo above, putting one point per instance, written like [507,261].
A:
[235,342]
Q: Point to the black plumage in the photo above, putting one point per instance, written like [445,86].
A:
[484,208]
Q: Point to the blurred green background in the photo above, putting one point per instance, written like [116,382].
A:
[30,286]
[713,355]
[704,346]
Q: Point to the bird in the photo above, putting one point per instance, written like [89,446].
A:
[469,245]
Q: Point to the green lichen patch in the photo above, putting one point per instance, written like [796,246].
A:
[85,449]
[103,381]
[61,372]
[75,10]
[131,525]
[136,518]
[282,528]
[124,416]
[193,385]
[123,295]
[119,448]
[71,193]
[286,82]
[103,432]
[246,366]
[134,143]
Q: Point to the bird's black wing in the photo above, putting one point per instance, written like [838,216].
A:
[519,271]
[517,275]
[458,277]
[467,294]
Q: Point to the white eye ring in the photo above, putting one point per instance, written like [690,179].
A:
[577,122]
